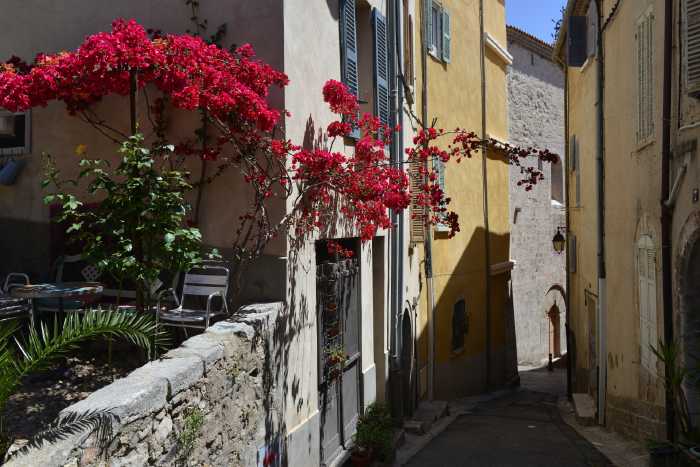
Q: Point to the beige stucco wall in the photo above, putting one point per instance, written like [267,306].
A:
[633,186]
[30,27]
[632,193]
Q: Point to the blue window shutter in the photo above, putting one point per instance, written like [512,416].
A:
[348,46]
[381,67]
[428,20]
[446,37]
[577,36]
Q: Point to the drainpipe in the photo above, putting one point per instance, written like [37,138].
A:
[667,210]
[567,299]
[397,235]
[485,190]
[399,159]
[600,187]
[428,243]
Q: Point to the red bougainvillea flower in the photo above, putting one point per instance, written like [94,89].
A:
[232,89]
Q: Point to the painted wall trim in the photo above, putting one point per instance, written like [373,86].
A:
[498,49]
[500,268]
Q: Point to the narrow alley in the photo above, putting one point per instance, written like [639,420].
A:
[522,427]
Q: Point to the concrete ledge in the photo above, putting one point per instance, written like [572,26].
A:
[180,373]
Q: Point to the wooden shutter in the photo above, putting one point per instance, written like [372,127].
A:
[572,253]
[428,21]
[348,47]
[381,67]
[646,263]
[592,34]
[645,79]
[417,211]
[692,46]
[577,41]
[576,168]
[446,37]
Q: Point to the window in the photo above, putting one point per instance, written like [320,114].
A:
[416,179]
[15,135]
[439,32]
[439,168]
[692,46]
[645,77]
[460,325]
[646,266]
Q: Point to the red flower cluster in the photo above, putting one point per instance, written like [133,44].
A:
[231,90]
[363,186]
[195,75]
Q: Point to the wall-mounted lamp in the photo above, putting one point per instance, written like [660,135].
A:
[559,242]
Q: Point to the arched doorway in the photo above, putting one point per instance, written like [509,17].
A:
[690,323]
[554,330]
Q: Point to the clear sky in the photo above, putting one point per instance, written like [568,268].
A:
[534,16]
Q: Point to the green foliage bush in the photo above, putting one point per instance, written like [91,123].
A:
[375,432]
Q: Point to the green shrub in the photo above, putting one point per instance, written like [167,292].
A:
[375,432]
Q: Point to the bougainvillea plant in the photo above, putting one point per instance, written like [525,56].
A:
[231,88]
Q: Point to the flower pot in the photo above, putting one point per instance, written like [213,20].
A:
[361,458]
[10,171]
[663,456]
[692,456]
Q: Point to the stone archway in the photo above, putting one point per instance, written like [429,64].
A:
[686,285]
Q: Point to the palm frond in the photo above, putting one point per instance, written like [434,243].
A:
[100,422]
[43,346]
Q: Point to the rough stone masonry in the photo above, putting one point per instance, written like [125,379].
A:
[536,119]
[204,403]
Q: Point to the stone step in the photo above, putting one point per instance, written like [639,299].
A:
[415,427]
[427,413]
[431,411]
[584,407]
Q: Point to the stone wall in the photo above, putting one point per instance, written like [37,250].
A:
[208,402]
[536,119]
[635,418]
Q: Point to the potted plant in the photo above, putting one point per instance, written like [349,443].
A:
[336,355]
[373,438]
[664,454]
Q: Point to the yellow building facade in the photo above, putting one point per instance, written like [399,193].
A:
[465,313]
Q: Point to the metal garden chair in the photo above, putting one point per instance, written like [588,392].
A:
[199,283]
[15,308]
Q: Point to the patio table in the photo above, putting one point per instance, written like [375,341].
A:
[83,291]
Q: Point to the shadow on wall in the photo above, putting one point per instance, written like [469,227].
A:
[461,340]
